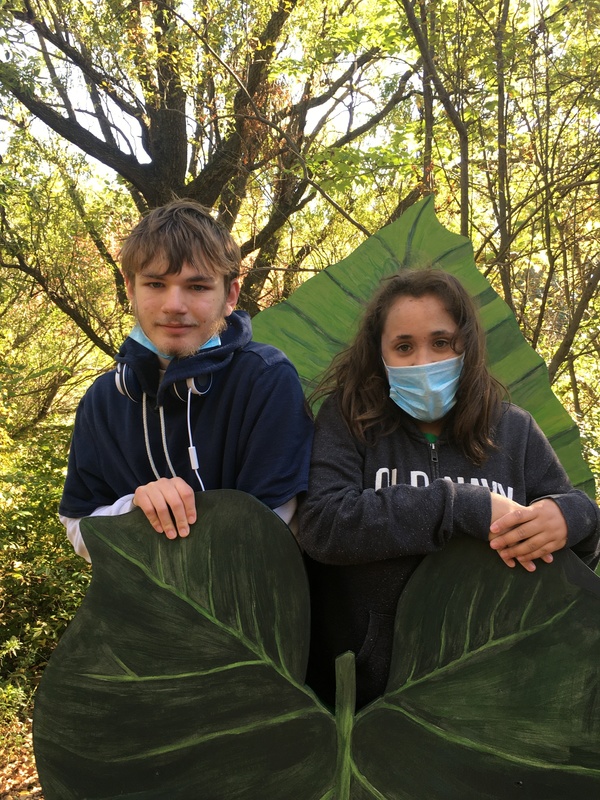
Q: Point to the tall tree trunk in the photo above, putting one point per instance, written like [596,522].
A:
[427,22]
[504,219]
[451,110]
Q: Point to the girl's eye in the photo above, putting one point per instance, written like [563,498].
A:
[441,343]
[403,348]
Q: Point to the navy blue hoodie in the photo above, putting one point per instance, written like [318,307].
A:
[251,429]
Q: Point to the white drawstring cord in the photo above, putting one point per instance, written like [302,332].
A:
[191,449]
[147,439]
[163,434]
[161,414]
[193,455]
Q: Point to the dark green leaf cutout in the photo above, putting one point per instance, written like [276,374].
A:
[320,318]
[494,686]
[182,674]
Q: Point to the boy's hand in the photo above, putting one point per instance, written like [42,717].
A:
[169,505]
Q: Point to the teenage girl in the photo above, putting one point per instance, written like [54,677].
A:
[413,446]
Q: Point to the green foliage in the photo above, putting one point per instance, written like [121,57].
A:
[41,580]
[61,301]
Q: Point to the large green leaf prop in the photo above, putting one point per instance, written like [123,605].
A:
[493,689]
[182,673]
[181,676]
[320,318]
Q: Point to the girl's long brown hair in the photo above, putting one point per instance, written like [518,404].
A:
[358,378]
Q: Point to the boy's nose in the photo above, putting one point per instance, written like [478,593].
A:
[174,300]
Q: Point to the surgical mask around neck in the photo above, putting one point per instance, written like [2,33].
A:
[426,392]
[140,337]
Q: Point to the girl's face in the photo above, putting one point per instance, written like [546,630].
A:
[417,330]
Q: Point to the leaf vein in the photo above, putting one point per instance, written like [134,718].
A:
[194,741]
[501,642]
[132,677]
[474,744]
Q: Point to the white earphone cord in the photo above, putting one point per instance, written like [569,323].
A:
[191,449]
[193,456]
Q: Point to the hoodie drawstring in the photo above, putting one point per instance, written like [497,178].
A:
[163,434]
[146,437]
[193,455]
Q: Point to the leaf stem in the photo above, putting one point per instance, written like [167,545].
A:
[345,701]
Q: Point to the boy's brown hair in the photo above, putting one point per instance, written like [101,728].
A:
[182,231]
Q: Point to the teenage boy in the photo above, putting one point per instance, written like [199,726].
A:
[193,402]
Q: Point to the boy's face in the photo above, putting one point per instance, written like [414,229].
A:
[179,313]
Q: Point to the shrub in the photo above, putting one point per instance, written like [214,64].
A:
[42,581]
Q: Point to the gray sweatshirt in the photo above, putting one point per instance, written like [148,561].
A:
[372,512]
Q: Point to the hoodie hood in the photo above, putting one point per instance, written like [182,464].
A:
[146,366]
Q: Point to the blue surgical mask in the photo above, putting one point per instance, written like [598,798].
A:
[139,336]
[427,391]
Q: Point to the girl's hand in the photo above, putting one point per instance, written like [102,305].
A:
[526,533]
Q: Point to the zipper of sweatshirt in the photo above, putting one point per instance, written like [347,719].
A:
[433,457]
